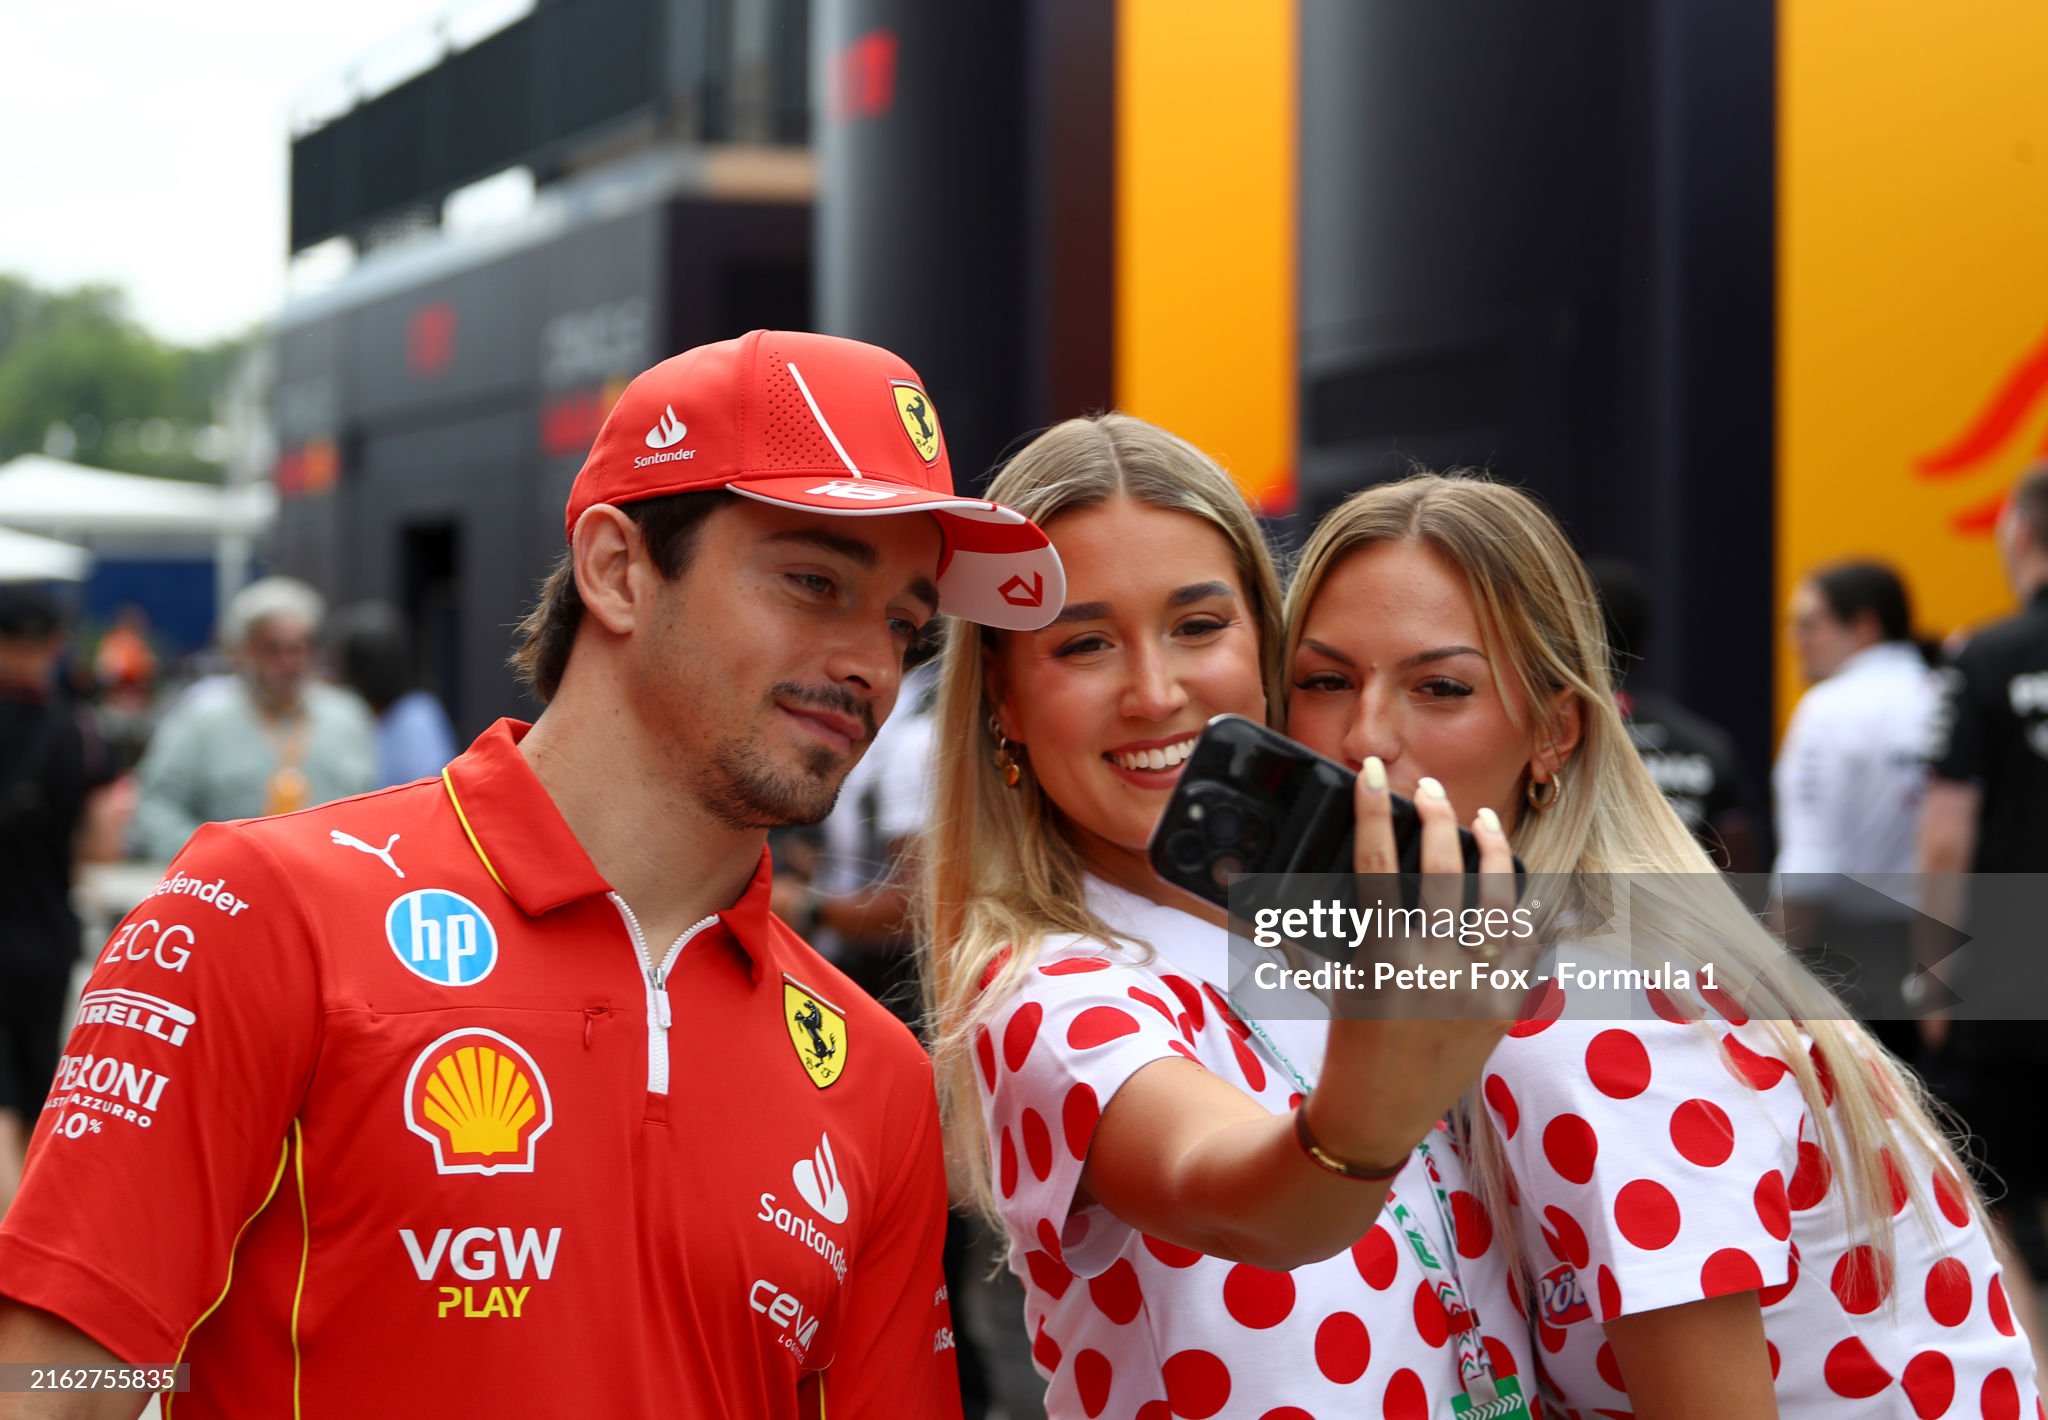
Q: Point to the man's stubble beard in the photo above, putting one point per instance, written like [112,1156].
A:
[743,790]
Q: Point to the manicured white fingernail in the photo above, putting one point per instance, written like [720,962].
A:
[1489,820]
[1428,788]
[1375,774]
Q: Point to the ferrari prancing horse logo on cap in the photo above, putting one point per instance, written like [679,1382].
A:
[920,421]
[818,1031]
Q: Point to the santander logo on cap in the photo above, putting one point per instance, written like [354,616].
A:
[668,431]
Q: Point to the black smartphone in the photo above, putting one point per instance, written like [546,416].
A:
[1250,800]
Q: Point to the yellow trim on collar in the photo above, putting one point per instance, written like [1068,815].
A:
[463,819]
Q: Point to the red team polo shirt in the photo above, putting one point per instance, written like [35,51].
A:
[381,1103]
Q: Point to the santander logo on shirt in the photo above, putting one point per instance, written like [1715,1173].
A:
[817,1179]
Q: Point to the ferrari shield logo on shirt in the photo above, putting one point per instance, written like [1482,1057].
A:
[920,420]
[480,1100]
[817,1029]
[442,937]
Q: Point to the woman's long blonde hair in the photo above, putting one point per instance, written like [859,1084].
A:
[1000,874]
[1542,623]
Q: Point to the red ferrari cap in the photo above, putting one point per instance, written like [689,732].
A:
[836,426]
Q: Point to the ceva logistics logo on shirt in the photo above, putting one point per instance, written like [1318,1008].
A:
[442,937]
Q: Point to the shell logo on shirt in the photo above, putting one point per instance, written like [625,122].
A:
[817,1029]
[480,1100]
[441,936]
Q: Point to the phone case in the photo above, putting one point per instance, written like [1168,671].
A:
[1250,800]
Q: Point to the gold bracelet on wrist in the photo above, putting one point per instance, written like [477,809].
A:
[1330,1163]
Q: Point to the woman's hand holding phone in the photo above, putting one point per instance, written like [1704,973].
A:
[1400,1055]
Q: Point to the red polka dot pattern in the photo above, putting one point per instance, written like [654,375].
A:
[1006,1165]
[1197,1383]
[1609,1368]
[1074,966]
[1771,1296]
[1701,1133]
[1727,1007]
[1646,1214]
[1257,1298]
[1092,1377]
[1862,1280]
[1759,1072]
[1377,1258]
[1773,1205]
[1099,1025]
[1432,1323]
[1406,1399]
[2001,1396]
[1929,1381]
[1248,1062]
[1190,999]
[2001,1309]
[1895,1182]
[1146,998]
[1571,1147]
[1545,1005]
[1044,1350]
[1021,1034]
[985,1057]
[1850,1370]
[1037,1145]
[1950,1198]
[1566,1238]
[1949,1292]
[1668,1009]
[1048,1276]
[1811,1179]
[1078,1116]
[1729,1270]
[1469,1222]
[1117,1293]
[1172,1254]
[1343,1349]
[1610,1295]
[1502,1102]
[1618,1065]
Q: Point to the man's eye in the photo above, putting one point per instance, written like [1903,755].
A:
[815,583]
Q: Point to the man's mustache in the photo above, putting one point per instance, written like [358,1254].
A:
[837,699]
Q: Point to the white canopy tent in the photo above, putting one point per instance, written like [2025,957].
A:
[109,511]
[46,495]
[24,557]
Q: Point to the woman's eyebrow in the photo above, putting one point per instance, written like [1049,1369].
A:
[1200,592]
[1441,653]
[1081,611]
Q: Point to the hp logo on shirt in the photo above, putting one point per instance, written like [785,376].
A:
[441,937]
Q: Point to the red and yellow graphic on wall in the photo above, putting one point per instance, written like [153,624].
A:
[1912,298]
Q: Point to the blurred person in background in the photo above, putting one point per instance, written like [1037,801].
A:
[1987,812]
[1850,779]
[59,804]
[375,656]
[1693,760]
[124,677]
[269,740]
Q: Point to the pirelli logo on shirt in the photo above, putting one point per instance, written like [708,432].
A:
[817,1029]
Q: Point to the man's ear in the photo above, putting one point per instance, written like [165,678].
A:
[612,568]
[1567,728]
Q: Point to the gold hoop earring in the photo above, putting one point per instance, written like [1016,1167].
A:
[1005,763]
[1543,803]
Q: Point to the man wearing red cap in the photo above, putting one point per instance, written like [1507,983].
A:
[504,1093]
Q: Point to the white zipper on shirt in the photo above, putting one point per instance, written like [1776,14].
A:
[660,1015]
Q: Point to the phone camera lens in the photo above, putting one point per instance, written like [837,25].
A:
[1225,824]
[1186,851]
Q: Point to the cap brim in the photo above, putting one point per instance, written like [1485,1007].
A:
[998,568]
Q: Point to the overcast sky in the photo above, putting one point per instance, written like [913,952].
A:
[145,144]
